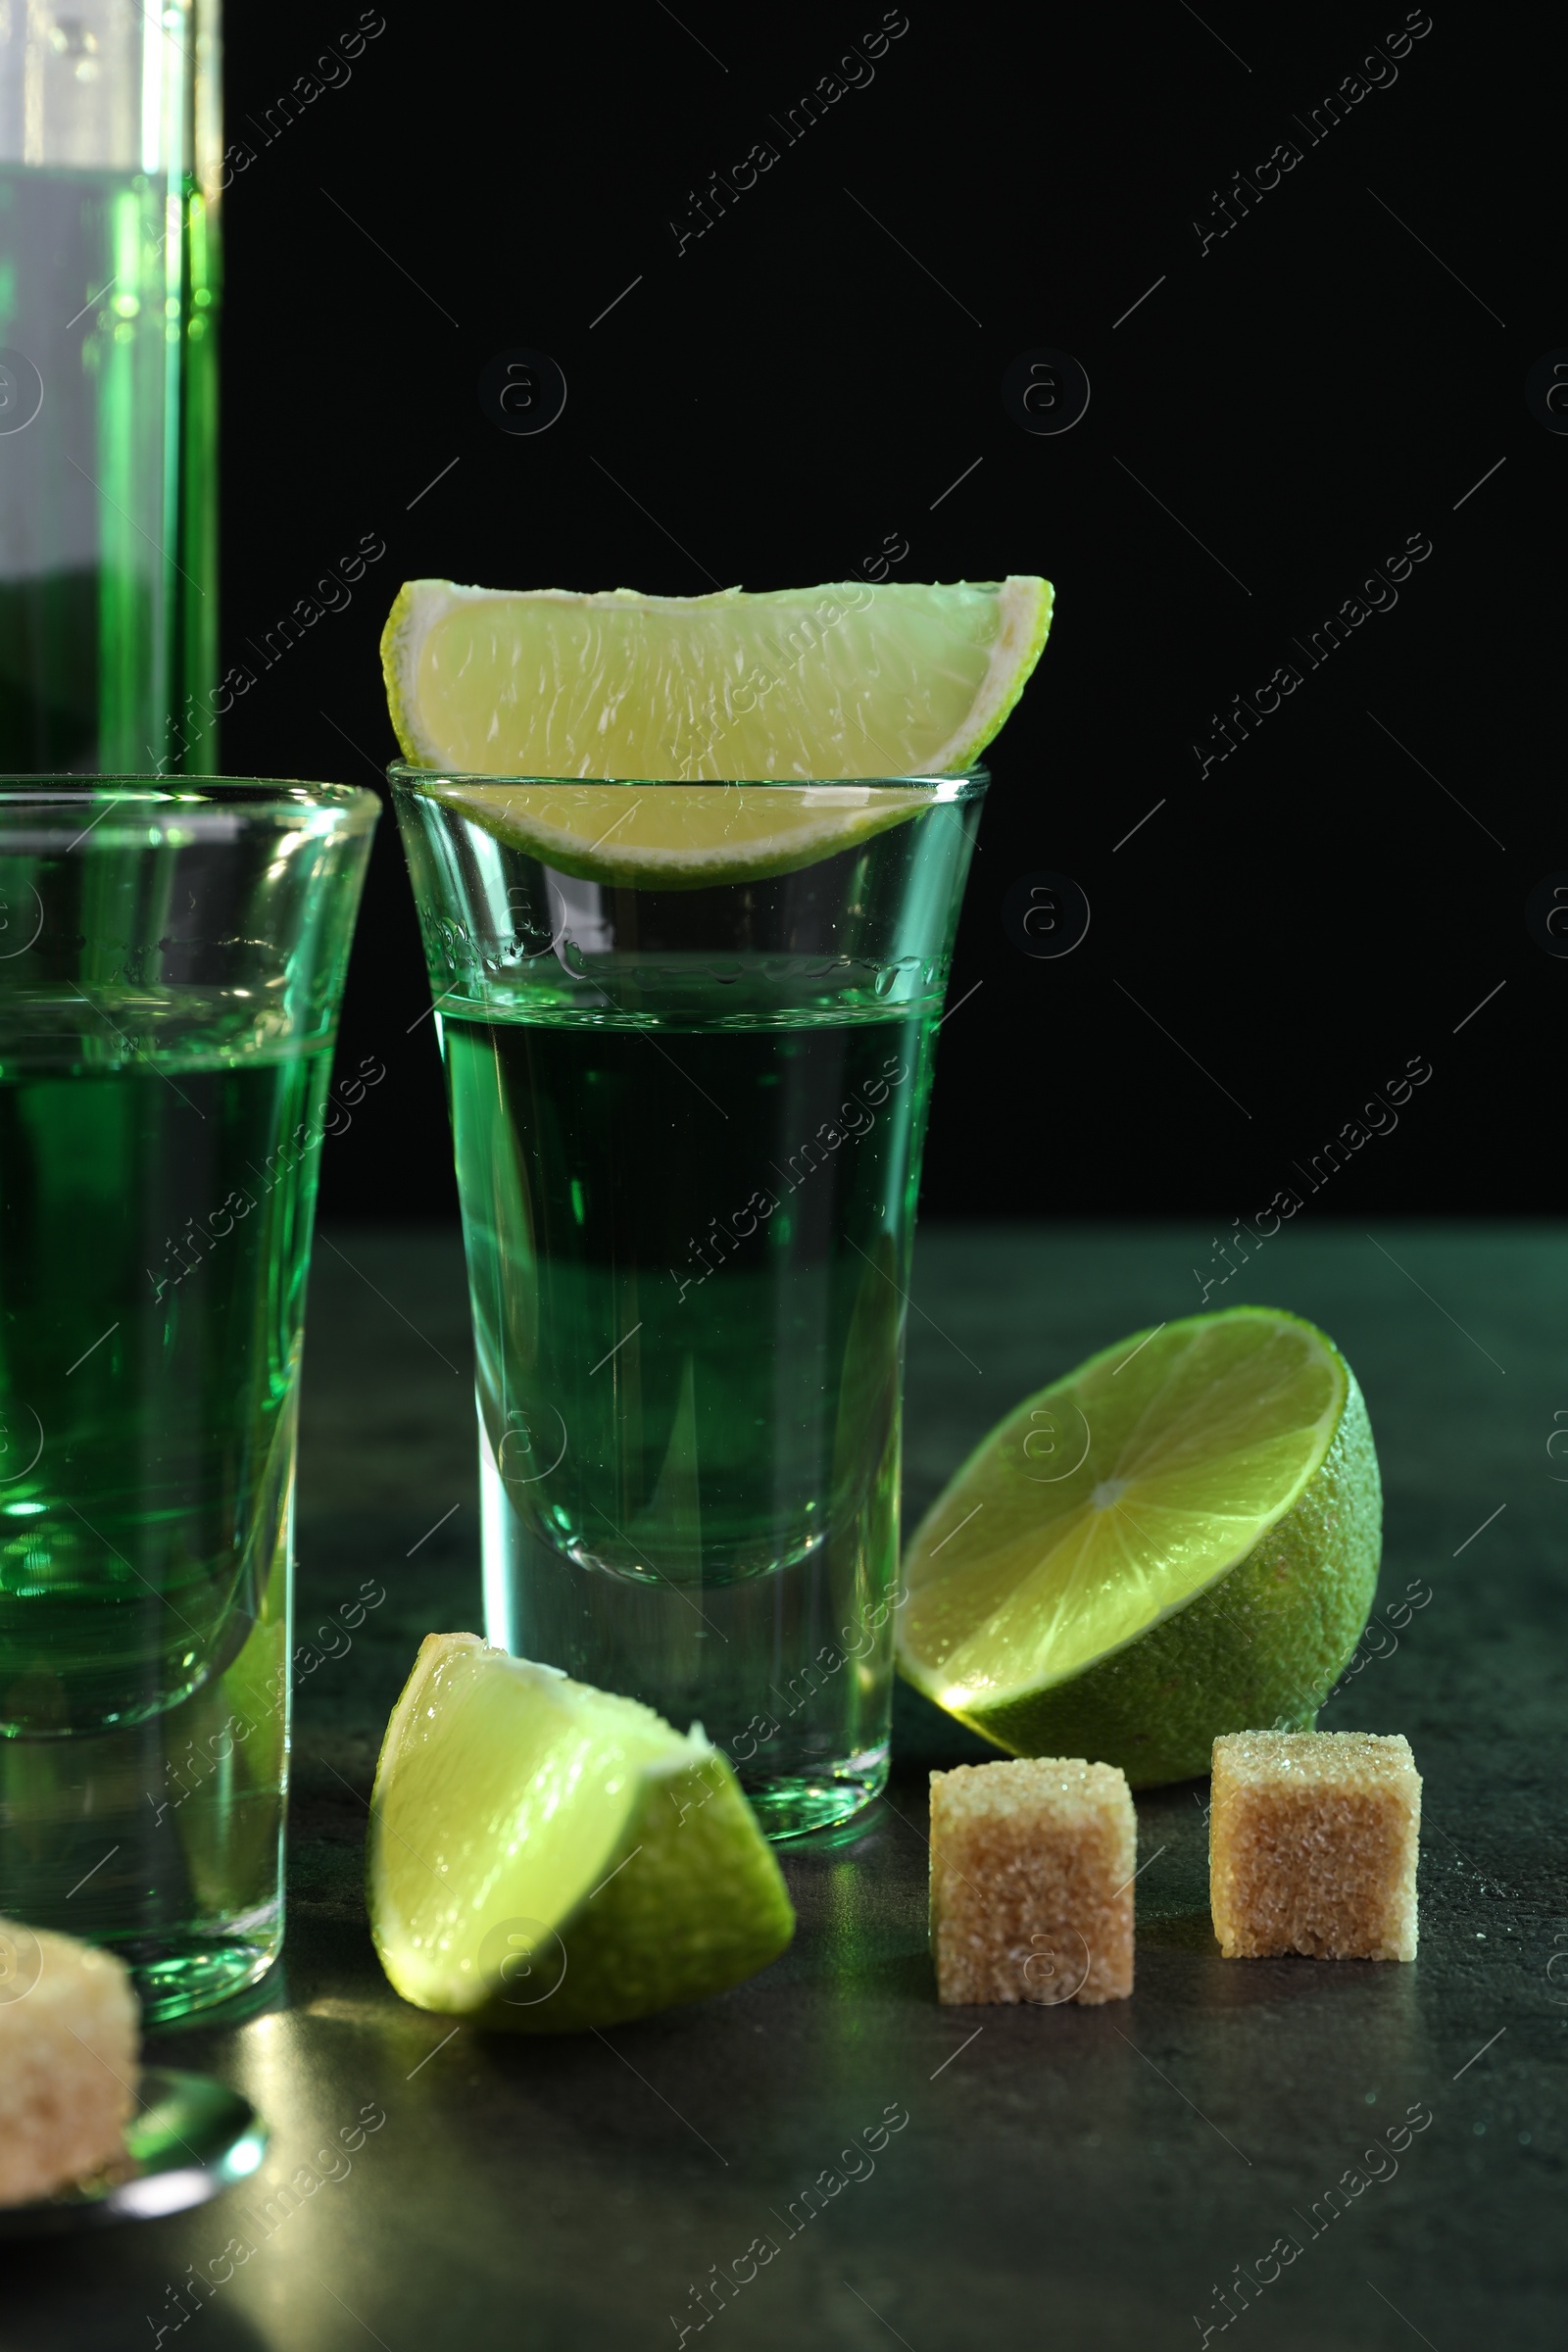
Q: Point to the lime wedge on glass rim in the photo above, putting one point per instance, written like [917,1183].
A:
[548,1857]
[811,692]
[1179,1539]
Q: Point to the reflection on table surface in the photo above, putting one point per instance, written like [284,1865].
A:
[746,2160]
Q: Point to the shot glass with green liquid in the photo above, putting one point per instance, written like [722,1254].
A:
[171,960]
[689,1033]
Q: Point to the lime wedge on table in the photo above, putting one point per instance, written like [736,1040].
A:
[1178,1539]
[838,682]
[548,1857]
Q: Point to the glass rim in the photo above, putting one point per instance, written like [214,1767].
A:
[955,784]
[37,811]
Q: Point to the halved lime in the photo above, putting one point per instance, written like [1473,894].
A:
[1180,1538]
[836,682]
[548,1857]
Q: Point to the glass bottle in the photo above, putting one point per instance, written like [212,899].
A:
[110,153]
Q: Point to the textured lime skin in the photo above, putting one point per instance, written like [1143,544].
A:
[642,1943]
[1257,1650]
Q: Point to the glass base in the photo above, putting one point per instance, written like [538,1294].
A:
[162,1840]
[797,1803]
[179,1983]
[804,1722]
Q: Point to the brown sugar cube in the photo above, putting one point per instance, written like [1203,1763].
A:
[1312,1840]
[1032,1867]
[69,2025]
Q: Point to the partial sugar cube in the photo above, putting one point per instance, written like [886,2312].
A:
[69,2025]
[1032,1868]
[1312,1839]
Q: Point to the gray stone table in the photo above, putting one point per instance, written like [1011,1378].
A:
[1082,2178]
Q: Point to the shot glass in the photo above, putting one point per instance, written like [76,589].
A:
[172,960]
[689,1033]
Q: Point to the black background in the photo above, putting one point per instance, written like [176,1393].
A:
[1278,416]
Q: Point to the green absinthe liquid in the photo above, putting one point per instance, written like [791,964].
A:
[688,1251]
[154,1239]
